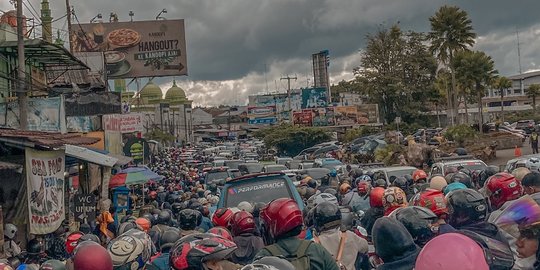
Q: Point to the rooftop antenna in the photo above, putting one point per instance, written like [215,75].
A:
[265,80]
[159,15]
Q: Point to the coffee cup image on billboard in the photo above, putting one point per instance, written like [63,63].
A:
[117,64]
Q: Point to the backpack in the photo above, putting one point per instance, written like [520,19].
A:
[300,260]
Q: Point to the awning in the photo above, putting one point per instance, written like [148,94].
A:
[122,160]
[45,53]
[86,154]
[46,140]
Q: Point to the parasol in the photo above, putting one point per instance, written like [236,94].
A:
[134,176]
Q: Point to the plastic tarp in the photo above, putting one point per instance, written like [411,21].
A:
[91,156]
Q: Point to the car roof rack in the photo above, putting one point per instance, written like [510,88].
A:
[255,175]
[453,158]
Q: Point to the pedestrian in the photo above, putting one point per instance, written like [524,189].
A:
[534,141]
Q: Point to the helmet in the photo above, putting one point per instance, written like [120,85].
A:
[72,241]
[10,231]
[126,226]
[130,250]
[453,186]
[152,195]
[242,222]
[418,221]
[6,266]
[221,217]
[467,255]
[34,247]
[144,224]
[463,178]
[438,183]
[177,207]
[164,217]
[487,173]
[312,183]
[90,237]
[92,256]
[246,206]
[466,206]
[433,200]
[419,175]
[151,217]
[331,191]
[333,173]
[326,216]
[400,182]
[222,232]
[380,183]
[321,197]
[520,172]
[347,218]
[281,216]
[393,198]
[502,187]
[364,178]
[193,254]
[363,187]
[197,206]
[344,188]
[189,219]
[168,238]
[270,263]
[52,265]
[376,197]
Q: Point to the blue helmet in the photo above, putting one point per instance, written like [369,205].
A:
[333,173]
[453,186]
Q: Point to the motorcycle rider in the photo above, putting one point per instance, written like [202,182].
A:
[393,198]
[92,256]
[11,248]
[394,245]
[419,178]
[248,244]
[376,211]
[189,220]
[166,242]
[283,222]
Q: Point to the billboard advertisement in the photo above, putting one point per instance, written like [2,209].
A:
[314,98]
[136,49]
[303,118]
[96,62]
[347,115]
[44,114]
[261,115]
[280,101]
[323,117]
[368,113]
[321,61]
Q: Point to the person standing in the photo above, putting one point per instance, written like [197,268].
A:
[534,141]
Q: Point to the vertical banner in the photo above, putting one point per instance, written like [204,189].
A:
[45,185]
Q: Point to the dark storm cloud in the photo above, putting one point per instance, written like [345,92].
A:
[230,42]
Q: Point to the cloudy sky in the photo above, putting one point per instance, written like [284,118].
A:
[236,48]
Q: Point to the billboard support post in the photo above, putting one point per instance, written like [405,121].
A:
[289,94]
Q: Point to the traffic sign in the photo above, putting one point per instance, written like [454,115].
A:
[85,207]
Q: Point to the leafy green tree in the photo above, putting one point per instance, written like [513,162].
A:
[532,92]
[502,84]
[397,72]
[451,32]
[478,68]
[290,140]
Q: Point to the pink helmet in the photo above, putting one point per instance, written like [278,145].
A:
[467,255]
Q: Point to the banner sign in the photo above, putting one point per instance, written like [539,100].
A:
[347,115]
[125,123]
[45,189]
[44,114]
[138,149]
[136,49]
[82,123]
[323,117]
[260,121]
[314,98]
[303,118]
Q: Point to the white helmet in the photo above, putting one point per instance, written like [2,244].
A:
[10,231]
[246,206]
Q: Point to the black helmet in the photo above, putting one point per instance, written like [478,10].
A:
[177,207]
[90,237]
[257,207]
[463,178]
[466,206]
[332,191]
[409,179]
[164,217]
[197,206]
[401,182]
[212,187]
[347,217]
[172,198]
[34,247]
[325,180]
[168,238]
[326,216]
[151,217]
[418,221]
[487,173]
[126,226]
[189,219]
[312,183]
[380,183]
[155,211]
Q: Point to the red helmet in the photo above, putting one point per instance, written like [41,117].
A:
[502,187]
[144,223]
[433,200]
[221,231]
[152,195]
[242,222]
[363,187]
[92,256]
[419,175]
[221,217]
[72,241]
[281,216]
[193,252]
[375,197]
[393,198]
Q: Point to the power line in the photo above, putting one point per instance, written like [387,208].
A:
[31,12]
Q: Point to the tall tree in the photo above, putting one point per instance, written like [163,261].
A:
[532,92]
[397,71]
[478,68]
[502,84]
[451,32]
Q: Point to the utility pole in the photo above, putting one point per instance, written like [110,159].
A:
[22,98]
[519,63]
[289,95]
[69,12]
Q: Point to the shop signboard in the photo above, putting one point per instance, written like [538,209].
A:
[125,123]
[136,49]
[138,149]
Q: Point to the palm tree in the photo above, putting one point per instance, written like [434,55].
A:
[451,32]
[478,68]
[532,92]
[502,84]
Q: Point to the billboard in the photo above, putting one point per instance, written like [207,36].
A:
[303,118]
[323,117]
[280,101]
[321,61]
[96,62]
[136,49]
[261,115]
[314,98]
[125,123]
[347,115]
[368,113]
[44,114]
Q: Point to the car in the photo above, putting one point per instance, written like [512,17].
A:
[283,160]
[258,188]
[392,172]
[315,173]
[305,165]
[235,173]
[306,153]
[520,162]
[250,168]
[293,164]
[525,125]
[233,164]
[274,168]
[329,163]
[216,174]
[467,162]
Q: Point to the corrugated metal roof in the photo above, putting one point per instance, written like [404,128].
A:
[9,166]
[46,139]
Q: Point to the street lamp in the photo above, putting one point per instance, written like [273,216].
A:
[98,16]
[131,14]
[159,15]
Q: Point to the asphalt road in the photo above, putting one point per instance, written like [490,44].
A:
[505,155]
